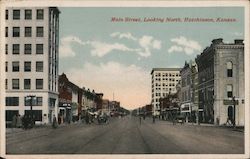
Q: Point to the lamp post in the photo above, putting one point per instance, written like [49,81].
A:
[234,103]
[31,108]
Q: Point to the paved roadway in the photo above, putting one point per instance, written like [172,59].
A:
[127,136]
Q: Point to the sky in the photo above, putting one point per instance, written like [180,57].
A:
[116,57]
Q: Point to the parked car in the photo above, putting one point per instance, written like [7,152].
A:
[180,119]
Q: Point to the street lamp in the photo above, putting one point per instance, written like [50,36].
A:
[31,106]
[234,103]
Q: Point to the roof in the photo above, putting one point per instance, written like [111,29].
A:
[165,69]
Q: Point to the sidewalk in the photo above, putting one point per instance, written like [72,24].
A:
[35,128]
[237,128]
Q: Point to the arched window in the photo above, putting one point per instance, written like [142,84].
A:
[229,69]
[229,91]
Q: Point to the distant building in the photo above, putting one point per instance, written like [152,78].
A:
[105,105]
[196,111]
[186,91]
[164,81]
[65,99]
[189,92]
[221,77]
[32,39]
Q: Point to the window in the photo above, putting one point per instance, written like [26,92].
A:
[39,66]
[39,14]
[15,66]
[27,101]
[27,32]
[39,83]
[15,49]
[28,14]
[229,91]
[26,83]
[6,31]
[27,66]
[36,101]
[6,14]
[39,31]
[16,14]
[27,48]
[6,83]
[6,66]
[15,83]
[39,101]
[9,114]
[16,31]
[36,113]
[6,49]
[39,48]
[229,69]
[12,101]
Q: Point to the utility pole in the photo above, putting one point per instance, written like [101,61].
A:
[31,107]
[234,103]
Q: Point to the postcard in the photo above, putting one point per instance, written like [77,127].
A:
[124,79]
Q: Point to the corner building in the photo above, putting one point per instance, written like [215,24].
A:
[32,39]
[221,78]
[164,81]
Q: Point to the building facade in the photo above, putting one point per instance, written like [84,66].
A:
[65,99]
[32,38]
[195,94]
[221,82]
[164,81]
[186,102]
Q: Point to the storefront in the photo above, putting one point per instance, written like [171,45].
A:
[65,114]
[186,111]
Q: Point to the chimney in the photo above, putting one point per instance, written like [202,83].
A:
[217,41]
[238,41]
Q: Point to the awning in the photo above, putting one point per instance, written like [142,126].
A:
[185,108]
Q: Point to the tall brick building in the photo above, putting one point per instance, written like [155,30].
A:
[221,80]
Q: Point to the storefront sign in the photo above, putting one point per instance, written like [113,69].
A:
[230,102]
[185,108]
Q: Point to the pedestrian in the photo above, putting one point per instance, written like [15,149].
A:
[29,121]
[14,120]
[54,123]
[59,119]
[25,122]
[18,121]
[140,119]
[87,118]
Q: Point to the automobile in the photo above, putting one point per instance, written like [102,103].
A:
[180,119]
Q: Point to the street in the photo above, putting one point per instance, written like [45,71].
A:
[126,136]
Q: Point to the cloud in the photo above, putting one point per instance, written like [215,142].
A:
[97,48]
[100,49]
[65,48]
[126,82]
[188,46]
[175,48]
[146,43]
[123,35]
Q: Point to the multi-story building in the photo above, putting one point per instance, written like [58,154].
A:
[221,82]
[32,38]
[105,106]
[65,99]
[186,91]
[164,81]
[196,111]
[189,91]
